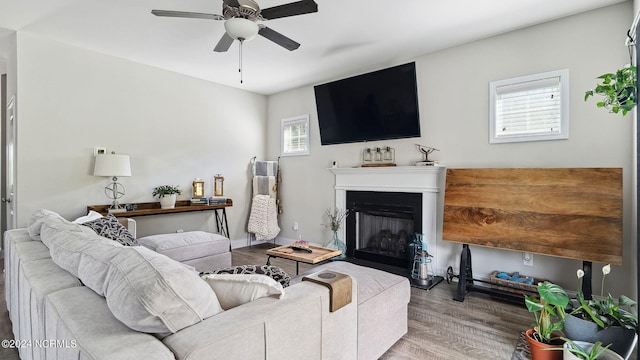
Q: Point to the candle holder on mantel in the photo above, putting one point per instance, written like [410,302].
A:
[378,156]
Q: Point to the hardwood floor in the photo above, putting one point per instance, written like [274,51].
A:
[439,328]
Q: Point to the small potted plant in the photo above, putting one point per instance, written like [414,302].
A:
[548,309]
[167,195]
[618,91]
[603,319]
[580,350]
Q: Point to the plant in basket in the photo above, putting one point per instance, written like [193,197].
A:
[549,312]
[603,319]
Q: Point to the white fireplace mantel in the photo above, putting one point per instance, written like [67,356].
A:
[428,180]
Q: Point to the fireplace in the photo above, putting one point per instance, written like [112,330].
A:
[421,201]
[380,225]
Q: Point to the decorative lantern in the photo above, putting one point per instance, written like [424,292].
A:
[198,188]
[218,182]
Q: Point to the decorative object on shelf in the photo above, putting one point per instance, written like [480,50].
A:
[198,188]
[549,312]
[618,91]
[217,200]
[425,150]
[167,195]
[604,319]
[378,156]
[336,217]
[218,183]
[112,165]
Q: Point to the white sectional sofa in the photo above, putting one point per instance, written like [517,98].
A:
[67,299]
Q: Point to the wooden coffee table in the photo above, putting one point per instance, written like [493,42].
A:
[318,254]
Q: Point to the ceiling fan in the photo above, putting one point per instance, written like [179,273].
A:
[240,21]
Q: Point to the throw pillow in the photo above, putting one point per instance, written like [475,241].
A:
[271,271]
[236,289]
[92,215]
[109,227]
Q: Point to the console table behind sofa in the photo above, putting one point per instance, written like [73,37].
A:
[153,208]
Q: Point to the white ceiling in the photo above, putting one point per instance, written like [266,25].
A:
[343,37]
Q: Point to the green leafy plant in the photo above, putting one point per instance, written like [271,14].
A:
[605,311]
[548,309]
[163,190]
[618,90]
[588,353]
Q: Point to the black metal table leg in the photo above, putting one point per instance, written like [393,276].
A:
[269,259]
[466,274]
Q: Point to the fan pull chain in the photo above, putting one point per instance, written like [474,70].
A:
[240,59]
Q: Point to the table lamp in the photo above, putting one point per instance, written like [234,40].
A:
[112,165]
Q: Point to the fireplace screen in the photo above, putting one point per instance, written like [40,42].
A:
[385,234]
[380,226]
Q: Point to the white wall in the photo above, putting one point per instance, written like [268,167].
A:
[174,127]
[453,97]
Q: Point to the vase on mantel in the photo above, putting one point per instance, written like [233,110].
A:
[336,243]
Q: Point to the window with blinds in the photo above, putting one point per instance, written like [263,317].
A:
[530,108]
[295,136]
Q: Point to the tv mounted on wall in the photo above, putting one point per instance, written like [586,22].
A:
[380,105]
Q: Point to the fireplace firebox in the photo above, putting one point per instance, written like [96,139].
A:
[380,225]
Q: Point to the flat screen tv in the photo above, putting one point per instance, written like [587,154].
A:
[380,105]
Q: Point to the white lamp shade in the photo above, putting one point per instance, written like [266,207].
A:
[112,165]
[241,28]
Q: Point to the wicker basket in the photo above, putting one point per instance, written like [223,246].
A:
[513,286]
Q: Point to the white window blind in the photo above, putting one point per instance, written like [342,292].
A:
[530,108]
[295,136]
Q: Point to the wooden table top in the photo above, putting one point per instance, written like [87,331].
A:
[317,254]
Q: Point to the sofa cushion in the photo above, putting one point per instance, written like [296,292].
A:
[236,289]
[82,323]
[109,227]
[145,290]
[71,249]
[187,245]
[151,293]
[271,271]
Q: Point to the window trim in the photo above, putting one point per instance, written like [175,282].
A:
[563,74]
[300,119]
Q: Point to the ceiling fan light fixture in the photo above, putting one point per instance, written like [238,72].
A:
[239,28]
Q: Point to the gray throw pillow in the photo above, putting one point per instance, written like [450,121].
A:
[109,227]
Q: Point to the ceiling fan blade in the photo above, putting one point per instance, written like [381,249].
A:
[278,38]
[224,44]
[292,9]
[233,3]
[186,14]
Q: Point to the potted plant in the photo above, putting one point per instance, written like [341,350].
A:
[167,195]
[604,319]
[580,350]
[548,309]
[618,91]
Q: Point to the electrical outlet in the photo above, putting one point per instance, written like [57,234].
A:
[527,259]
[295,226]
[180,230]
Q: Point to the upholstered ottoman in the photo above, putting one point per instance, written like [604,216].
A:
[383,299]
[202,250]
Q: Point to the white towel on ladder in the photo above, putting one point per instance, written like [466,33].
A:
[263,220]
